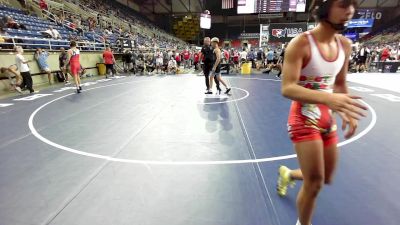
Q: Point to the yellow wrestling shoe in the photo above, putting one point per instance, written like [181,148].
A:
[284,181]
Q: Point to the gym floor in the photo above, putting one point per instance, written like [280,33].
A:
[156,150]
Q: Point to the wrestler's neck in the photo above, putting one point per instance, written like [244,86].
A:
[324,32]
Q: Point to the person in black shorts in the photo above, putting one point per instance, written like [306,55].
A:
[279,65]
[207,56]
[127,60]
[362,58]
[150,64]
[276,57]
[260,58]
[109,61]
[62,59]
[216,69]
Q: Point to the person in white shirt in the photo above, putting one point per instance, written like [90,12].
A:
[243,57]
[23,68]
[170,54]
[363,54]
[393,54]
[172,65]
[159,60]
[51,33]
[54,33]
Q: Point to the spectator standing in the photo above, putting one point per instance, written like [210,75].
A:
[251,56]
[363,53]
[236,56]
[186,57]
[41,57]
[270,59]
[243,56]
[23,68]
[62,60]
[159,60]
[385,54]
[109,60]
[260,58]
[196,59]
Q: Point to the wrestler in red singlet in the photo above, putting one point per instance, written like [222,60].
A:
[75,66]
[309,122]
[314,79]
[74,63]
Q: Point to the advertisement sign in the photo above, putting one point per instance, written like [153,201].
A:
[264,35]
[205,21]
[360,23]
[379,15]
[375,14]
[284,32]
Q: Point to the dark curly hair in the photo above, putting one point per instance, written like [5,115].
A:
[319,9]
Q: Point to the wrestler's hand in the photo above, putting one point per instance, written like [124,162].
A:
[346,104]
[350,123]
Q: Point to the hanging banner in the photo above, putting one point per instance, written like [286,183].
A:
[284,32]
[264,35]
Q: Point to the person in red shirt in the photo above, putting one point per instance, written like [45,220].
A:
[43,5]
[226,56]
[186,57]
[196,59]
[385,54]
[109,60]
[178,59]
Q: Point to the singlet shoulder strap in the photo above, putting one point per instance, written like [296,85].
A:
[311,41]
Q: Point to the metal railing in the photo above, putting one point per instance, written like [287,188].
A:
[52,44]
[65,23]
[114,20]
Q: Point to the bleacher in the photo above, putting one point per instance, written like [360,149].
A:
[34,25]
[147,34]
[33,38]
[385,34]
[146,30]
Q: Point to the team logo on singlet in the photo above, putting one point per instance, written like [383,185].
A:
[316,82]
[311,111]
